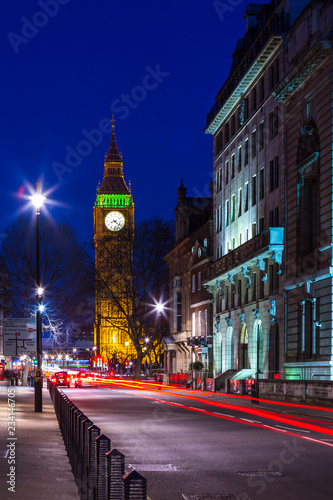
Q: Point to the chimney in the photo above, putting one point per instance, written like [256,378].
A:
[250,14]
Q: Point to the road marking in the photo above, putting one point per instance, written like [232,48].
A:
[223,414]
[292,429]
[252,421]
[270,427]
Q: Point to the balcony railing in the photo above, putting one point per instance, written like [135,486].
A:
[277,25]
[255,247]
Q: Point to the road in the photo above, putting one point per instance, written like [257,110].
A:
[199,446]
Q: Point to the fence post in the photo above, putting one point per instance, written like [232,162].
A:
[135,486]
[85,457]
[103,446]
[94,432]
[115,468]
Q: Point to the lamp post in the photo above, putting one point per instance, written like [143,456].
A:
[37,200]
[159,308]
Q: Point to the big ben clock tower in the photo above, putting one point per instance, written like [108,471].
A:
[113,238]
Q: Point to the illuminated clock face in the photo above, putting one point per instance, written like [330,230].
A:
[114,221]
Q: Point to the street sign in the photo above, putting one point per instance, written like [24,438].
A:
[19,336]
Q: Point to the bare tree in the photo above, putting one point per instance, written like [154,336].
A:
[63,271]
[130,279]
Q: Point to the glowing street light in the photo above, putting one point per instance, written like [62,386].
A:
[159,308]
[37,200]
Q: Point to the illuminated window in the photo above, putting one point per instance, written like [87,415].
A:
[240,202]
[199,323]
[232,166]
[193,324]
[227,213]
[226,172]
[233,203]
[246,197]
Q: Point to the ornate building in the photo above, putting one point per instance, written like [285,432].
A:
[190,310]
[113,237]
[272,273]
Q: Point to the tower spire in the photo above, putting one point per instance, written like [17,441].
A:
[113,154]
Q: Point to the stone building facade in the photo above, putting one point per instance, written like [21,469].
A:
[190,309]
[271,278]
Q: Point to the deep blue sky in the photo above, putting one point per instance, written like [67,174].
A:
[62,78]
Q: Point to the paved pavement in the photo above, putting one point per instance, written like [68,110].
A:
[36,450]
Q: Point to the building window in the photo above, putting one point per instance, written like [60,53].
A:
[254,144]
[206,322]
[205,243]
[261,136]
[254,99]
[261,184]
[254,190]
[239,293]
[274,74]
[233,203]
[254,229]
[273,123]
[199,280]
[193,282]
[226,132]
[246,197]
[240,238]
[274,217]
[226,294]
[193,324]
[254,286]
[233,126]
[239,158]
[274,174]
[262,89]
[247,234]
[218,143]
[226,172]
[246,153]
[246,108]
[233,243]
[240,202]
[179,311]
[227,213]
[232,166]
[199,323]
[218,219]
[273,278]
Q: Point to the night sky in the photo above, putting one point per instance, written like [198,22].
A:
[156,65]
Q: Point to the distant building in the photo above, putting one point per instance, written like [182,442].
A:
[272,200]
[190,310]
[4,300]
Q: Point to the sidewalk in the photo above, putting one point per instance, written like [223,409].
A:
[42,468]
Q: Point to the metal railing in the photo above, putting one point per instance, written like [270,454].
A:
[99,471]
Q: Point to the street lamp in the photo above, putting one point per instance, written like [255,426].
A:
[37,200]
[159,308]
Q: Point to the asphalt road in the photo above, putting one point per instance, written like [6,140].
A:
[195,446]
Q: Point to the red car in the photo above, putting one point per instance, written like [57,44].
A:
[60,379]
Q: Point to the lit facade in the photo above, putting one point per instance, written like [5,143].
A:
[113,237]
[272,310]
[190,309]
